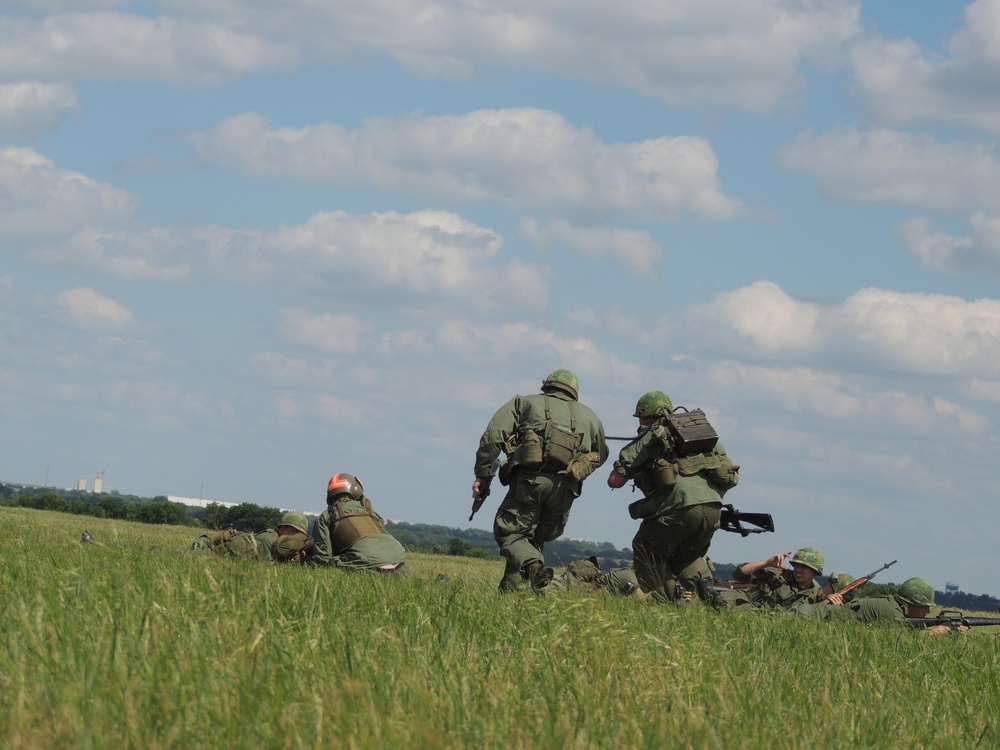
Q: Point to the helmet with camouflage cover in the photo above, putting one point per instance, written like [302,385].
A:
[839,580]
[296,520]
[563,380]
[810,557]
[344,484]
[653,404]
[916,591]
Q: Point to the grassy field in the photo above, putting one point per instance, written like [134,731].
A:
[138,644]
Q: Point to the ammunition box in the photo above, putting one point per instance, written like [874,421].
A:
[691,432]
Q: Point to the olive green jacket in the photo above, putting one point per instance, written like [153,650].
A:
[776,588]
[880,609]
[367,552]
[696,489]
[511,421]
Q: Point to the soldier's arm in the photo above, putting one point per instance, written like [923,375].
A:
[322,553]
[498,431]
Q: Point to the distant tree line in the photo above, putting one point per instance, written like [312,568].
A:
[156,510]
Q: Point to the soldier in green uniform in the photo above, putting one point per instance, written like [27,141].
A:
[914,598]
[682,502]
[349,534]
[777,587]
[552,443]
[587,574]
[288,543]
[830,594]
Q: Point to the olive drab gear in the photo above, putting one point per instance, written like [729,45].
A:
[661,473]
[810,557]
[551,447]
[653,404]
[344,484]
[563,380]
[839,580]
[916,591]
[296,520]
[348,526]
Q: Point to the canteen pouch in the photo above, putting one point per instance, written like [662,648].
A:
[529,452]
[664,473]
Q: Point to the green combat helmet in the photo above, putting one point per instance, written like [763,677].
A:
[839,580]
[296,520]
[810,557]
[653,404]
[565,381]
[917,591]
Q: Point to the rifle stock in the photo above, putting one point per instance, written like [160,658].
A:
[732,520]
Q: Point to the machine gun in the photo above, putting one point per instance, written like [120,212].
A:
[733,520]
[953,618]
[484,487]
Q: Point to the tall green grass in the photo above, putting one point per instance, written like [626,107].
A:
[139,644]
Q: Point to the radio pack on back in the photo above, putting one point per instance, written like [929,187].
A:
[691,431]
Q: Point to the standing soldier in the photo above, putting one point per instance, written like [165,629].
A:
[350,534]
[552,443]
[681,508]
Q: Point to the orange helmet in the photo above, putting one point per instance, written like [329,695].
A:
[344,484]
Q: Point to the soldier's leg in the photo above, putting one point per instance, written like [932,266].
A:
[652,568]
[555,496]
[513,528]
[697,525]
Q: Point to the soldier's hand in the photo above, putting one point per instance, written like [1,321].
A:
[777,560]
[835,599]
[616,479]
[942,629]
[476,486]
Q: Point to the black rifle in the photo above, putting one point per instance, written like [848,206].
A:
[732,520]
[484,487]
[953,619]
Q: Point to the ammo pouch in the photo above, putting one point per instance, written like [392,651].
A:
[663,473]
[561,447]
[720,471]
[584,466]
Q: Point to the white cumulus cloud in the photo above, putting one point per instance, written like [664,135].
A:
[634,250]
[29,107]
[892,167]
[906,83]
[91,311]
[38,200]
[522,157]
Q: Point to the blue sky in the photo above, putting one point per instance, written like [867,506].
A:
[246,246]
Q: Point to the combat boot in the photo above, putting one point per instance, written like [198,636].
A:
[708,593]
